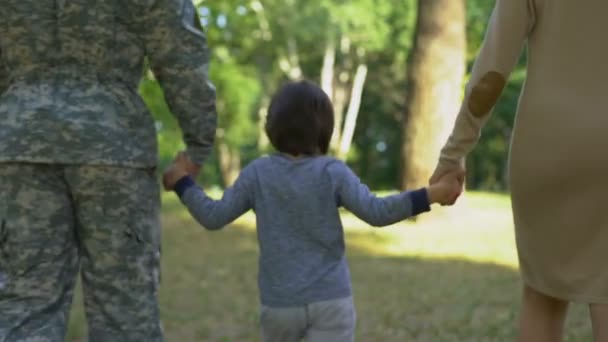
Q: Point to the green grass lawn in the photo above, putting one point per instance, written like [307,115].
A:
[450,276]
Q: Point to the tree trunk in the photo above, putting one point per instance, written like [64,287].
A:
[290,63]
[230,162]
[341,93]
[263,141]
[352,113]
[339,101]
[327,71]
[435,77]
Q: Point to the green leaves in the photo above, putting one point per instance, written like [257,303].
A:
[238,94]
[258,44]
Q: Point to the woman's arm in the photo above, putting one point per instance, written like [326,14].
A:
[509,27]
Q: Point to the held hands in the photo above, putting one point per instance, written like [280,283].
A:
[446,188]
[182,166]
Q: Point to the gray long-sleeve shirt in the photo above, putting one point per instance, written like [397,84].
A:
[299,230]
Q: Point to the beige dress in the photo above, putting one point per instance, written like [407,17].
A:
[559,152]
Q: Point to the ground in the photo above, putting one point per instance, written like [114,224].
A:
[450,276]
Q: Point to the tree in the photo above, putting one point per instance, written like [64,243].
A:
[333,48]
[435,77]
[360,51]
[356,30]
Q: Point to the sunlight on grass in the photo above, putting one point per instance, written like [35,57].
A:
[450,276]
[480,229]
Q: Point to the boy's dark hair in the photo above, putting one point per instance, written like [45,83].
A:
[300,119]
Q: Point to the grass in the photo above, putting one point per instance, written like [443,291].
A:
[450,276]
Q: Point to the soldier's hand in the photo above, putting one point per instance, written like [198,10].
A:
[187,164]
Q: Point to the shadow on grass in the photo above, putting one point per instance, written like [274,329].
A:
[209,292]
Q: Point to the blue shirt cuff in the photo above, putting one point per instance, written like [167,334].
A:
[183,184]
[420,201]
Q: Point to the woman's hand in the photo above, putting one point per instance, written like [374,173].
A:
[444,169]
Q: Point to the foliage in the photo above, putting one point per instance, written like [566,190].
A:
[254,42]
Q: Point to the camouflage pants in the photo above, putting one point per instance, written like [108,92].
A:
[57,220]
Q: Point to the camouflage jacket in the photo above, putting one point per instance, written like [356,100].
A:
[69,71]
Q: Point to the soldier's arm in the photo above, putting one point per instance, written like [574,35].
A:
[3,76]
[177,50]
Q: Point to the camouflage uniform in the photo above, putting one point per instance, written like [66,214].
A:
[77,158]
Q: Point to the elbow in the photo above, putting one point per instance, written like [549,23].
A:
[208,223]
[212,225]
[379,222]
[207,216]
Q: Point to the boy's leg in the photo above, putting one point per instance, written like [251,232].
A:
[119,231]
[542,317]
[38,253]
[283,324]
[599,319]
[333,320]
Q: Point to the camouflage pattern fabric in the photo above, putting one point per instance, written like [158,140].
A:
[69,72]
[55,220]
[3,76]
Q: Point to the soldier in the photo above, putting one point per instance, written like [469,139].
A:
[78,188]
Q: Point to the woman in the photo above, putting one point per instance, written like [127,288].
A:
[557,163]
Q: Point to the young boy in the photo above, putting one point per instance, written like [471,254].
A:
[296,194]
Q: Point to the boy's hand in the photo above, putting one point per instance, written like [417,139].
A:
[184,161]
[181,167]
[173,174]
[447,189]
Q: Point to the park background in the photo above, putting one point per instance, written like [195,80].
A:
[396,71]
